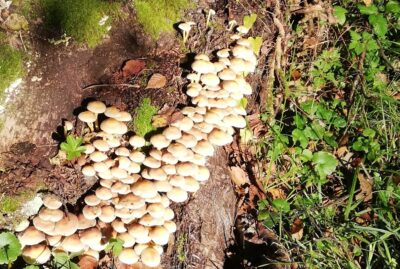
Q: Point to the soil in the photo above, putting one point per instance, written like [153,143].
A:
[206,221]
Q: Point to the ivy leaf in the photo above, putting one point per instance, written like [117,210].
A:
[10,248]
[249,20]
[368,10]
[115,245]
[281,205]
[72,147]
[325,163]
[256,44]
[340,14]
[379,23]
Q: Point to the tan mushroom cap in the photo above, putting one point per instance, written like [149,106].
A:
[112,112]
[184,26]
[72,244]
[128,256]
[31,236]
[203,174]
[54,241]
[169,158]
[150,257]
[129,241]
[103,193]
[176,180]
[156,210]
[168,214]
[137,230]
[238,65]
[193,77]
[22,225]
[202,66]
[170,226]
[197,133]
[91,212]
[184,124]
[242,52]
[51,202]
[131,201]
[223,53]
[137,141]
[44,226]
[118,226]
[84,223]
[151,162]
[190,184]
[218,66]
[120,188]
[96,107]
[219,137]
[199,159]
[88,170]
[67,226]
[156,154]
[169,169]
[204,127]
[113,142]
[107,214]
[137,156]
[235,120]
[202,56]
[124,116]
[163,186]
[106,183]
[90,236]
[99,247]
[87,116]
[122,151]
[149,221]
[123,162]
[118,173]
[227,74]
[98,156]
[37,254]
[159,235]
[92,253]
[89,148]
[144,189]
[204,148]
[177,195]
[210,79]
[186,168]
[101,145]
[100,167]
[172,133]
[157,174]
[159,141]
[53,215]
[188,140]
[212,118]
[113,126]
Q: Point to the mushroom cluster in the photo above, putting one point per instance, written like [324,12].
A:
[136,187]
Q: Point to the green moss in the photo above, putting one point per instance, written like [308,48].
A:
[157,16]
[79,19]
[9,204]
[11,65]
[141,123]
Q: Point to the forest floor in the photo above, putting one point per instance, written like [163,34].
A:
[312,182]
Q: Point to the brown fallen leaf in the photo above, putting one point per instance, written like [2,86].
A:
[166,116]
[87,262]
[296,229]
[132,68]
[366,186]
[156,81]
[276,193]
[238,176]
[367,2]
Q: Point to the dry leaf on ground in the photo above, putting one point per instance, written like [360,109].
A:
[156,81]
[365,187]
[238,176]
[132,68]
[297,229]
[87,262]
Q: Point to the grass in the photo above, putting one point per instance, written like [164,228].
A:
[11,65]
[141,123]
[158,16]
[79,19]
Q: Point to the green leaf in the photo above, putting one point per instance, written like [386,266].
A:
[32,267]
[115,245]
[325,163]
[10,248]
[298,136]
[243,102]
[340,14]
[256,44]
[368,132]
[281,205]
[306,155]
[299,121]
[379,23]
[249,20]
[393,6]
[72,147]
[368,10]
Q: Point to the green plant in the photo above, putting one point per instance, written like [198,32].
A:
[141,123]
[79,19]
[11,65]
[10,248]
[115,246]
[72,147]
[62,260]
[157,16]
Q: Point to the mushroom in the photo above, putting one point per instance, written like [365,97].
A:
[31,236]
[231,24]
[88,117]
[159,141]
[185,27]
[177,195]
[137,141]
[51,202]
[72,244]
[211,12]
[129,241]
[67,226]
[128,256]
[150,257]
[159,235]
[113,126]
[37,254]
[22,225]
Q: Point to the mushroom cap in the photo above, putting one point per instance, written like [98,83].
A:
[199,159]
[107,214]
[150,257]
[169,214]
[112,112]
[98,156]
[156,210]
[204,148]
[156,154]
[169,169]
[90,236]
[172,133]
[178,150]
[202,56]
[177,195]
[197,133]
[84,223]
[144,189]
[190,184]
[51,202]
[237,65]
[212,118]
[96,107]
[223,53]
[184,26]
[53,215]
[91,253]
[100,167]
[72,244]
[44,226]
[31,236]
[106,183]
[170,226]
[124,116]
[67,226]
[120,188]
[87,116]
[137,156]
[242,29]
[193,77]
[203,174]
[149,221]
[113,126]
[99,246]
[88,171]
[128,256]
[37,254]
[242,52]
[137,141]
[118,226]
[157,174]
[91,212]
[137,230]
[218,66]
[159,141]
[123,163]
[54,241]
[131,201]
[151,162]
[89,148]
[235,120]
[165,201]
[186,168]
[22,225]
[219,137]
[163,186]
[101,145]
[230,86]
[169,158]
[177,180]
[103,193]
[129,240]
[227,74]
[204,127]
[244,42]
[122,151]
[202,66]
[113,142]
[118,173]
[188,140]
[210,79]
[159,235]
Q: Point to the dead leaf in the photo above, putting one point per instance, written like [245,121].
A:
[365,187]
[276,193]
[238,176]
[166,116]
[340,152]
[367,2]
[296,229]
[296,74]
[87,262]
[132,68]
[156,81]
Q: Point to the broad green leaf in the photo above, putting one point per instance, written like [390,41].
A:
[281,205]
[243,102]
[299,121]
[32,267]
[368,10]
[115,245]
[393,6]
[306,155]
[325,163]
[256,44]
[340,14]
[379,23]
[10,248]
[369,132]
[298,136]
[249,20]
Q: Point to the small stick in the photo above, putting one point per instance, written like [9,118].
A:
[111,85]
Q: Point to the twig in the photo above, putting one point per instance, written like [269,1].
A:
[22,40]
[357,79]
[111,85]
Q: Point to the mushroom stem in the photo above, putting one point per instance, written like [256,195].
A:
[210,13]
[90,125]
[231,24]
[185,36]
